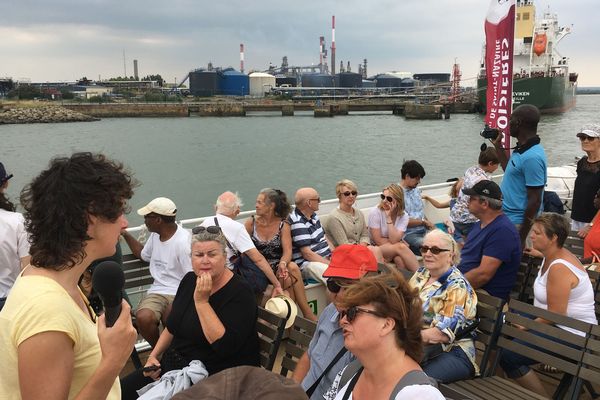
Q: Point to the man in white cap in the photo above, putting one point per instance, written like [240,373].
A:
[168,251]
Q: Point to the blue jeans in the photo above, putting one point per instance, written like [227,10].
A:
[461,230]
[415,241]
[450,366]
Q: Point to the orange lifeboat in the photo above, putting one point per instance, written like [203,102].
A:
[539,44]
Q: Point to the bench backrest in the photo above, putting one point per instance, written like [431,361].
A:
[137,274]
[489,312]
[270,329]
[528,269]
[590,369]
[565,355]
[296,344]
[574,244]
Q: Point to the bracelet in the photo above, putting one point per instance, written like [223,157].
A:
[389,222]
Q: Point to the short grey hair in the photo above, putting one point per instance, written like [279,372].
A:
[495,204]
[206,236]
[229,206]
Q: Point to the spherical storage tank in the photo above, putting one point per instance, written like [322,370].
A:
[234,83]
[318,80]
[350,79]
[205,83]
[388,80]
[260,83]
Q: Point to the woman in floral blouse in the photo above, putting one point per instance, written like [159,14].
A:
[449,306]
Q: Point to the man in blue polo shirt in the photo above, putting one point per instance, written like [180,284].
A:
[492,252]
[311,251]
[525,172]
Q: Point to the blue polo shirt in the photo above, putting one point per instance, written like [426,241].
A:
[526,168]
[499,239]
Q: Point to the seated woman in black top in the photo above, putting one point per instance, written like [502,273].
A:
[213,318]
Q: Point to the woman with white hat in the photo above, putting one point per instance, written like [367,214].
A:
[587,182]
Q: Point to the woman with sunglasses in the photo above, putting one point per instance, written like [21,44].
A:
[387,224]
[587,182]
[381,321]
[449,306]
[272,237]
[345,224]
[213,318]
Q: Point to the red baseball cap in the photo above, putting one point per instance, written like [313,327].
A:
[350,261]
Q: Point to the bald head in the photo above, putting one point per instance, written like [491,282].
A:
[228,203]
[304,194]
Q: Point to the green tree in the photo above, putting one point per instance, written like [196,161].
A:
[156,78]
[25,92]
[66,94]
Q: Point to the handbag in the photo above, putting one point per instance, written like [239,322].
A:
[171,360]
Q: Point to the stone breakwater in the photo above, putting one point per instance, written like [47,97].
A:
[44,114]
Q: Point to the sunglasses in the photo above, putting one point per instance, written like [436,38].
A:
[353,193]
[352,312]
[333,286]
[434,250]
[318,199]
[384,197]
[215,230]
[583,138]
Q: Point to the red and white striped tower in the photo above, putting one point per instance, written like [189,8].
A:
[333,45]
[242,57]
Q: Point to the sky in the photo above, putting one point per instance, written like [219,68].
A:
[64,40]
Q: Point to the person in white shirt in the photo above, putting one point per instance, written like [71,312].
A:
[168,252]
[241,252]
[14,246]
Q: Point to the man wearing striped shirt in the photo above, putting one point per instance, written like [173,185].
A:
[311,251]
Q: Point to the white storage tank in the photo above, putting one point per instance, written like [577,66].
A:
[260,83]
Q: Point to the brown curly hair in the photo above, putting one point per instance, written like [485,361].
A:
[393,297]
[59,201]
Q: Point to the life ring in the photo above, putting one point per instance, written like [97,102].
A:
[539,44]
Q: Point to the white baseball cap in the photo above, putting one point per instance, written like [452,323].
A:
[160,206]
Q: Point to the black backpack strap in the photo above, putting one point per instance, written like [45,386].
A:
[235,252]
[352,383]
[337,357]
[350,370]
[414,377]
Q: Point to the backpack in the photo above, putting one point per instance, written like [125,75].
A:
[552,203]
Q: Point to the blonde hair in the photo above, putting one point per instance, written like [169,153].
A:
[344,182]
[397,194]
[450,242]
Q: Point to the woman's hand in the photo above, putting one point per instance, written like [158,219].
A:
[203,288]
[152,362]
[282,271]
[582,233]
[117,342]
[277,291]
[450,226]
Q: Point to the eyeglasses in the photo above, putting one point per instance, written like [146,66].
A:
[353,193]
[583,138]
[352,312]
[318,199]
[215,230]
[388,198]
[434,250]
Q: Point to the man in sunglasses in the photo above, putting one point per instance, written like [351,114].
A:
[326,355]
[492,252]
[168,250]
[525,173]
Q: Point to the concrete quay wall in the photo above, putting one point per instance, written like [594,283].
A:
[131,109]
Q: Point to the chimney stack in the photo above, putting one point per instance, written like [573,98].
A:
[241,57]
[333,45]
[135,70]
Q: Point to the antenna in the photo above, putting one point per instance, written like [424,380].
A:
[124,64]
[333,45]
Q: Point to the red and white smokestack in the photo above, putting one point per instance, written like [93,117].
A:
[242,57]
[333,45]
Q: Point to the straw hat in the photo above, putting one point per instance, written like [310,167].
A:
[283,307]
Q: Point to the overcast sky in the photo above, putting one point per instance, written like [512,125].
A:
[63,40]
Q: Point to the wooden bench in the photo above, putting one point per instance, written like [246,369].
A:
[489,312]
[526,274]
[270,329]
[574,244]
[566,358]
[296,344]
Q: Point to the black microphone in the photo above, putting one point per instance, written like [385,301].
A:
[108,281]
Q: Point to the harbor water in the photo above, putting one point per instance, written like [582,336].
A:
[192,160]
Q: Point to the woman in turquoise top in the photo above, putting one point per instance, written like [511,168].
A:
[449,306]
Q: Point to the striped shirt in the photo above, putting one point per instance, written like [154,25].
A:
[307,232]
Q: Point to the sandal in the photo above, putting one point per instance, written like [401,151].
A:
[548,369]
